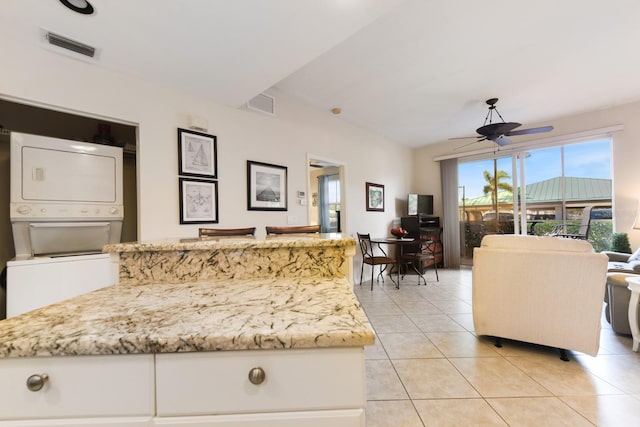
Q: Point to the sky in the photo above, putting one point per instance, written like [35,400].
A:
[586,160]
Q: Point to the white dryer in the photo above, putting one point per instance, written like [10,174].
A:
[66,203]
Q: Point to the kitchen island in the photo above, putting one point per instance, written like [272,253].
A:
[272,349]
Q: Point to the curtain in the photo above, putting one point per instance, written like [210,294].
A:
[451,222]
[323,203]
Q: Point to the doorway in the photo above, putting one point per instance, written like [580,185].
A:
[326,188]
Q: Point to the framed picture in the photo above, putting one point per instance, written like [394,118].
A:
[198,201]
[375,197]
[197,154]
[266,187]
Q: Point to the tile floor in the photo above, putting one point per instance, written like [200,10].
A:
[428,368]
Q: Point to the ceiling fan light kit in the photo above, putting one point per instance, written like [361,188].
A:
[499,131]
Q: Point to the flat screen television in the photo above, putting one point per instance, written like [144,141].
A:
[420,204]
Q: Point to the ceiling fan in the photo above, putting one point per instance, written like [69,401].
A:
[499,131]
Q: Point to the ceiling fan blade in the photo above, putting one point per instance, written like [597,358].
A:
[497,128]
[465,145]
[541,129]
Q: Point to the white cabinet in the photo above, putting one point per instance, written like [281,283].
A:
[300,388]
[77,387]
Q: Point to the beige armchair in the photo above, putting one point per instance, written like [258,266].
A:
[541,290]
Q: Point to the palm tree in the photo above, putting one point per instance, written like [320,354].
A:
[494,184]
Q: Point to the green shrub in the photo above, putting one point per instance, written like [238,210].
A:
[620,243]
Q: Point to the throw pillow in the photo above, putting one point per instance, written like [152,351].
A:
[634,256]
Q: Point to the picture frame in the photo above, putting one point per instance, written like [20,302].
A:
[198,201]
[375,197]
[266,187]
[197,154]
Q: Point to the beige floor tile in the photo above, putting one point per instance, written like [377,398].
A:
[463,319]
[621,371]
[537,412]
[562,378]
[392,323]
[382,308]
[435,323]
[383,382]
[409,346]
[418,307]
[496,377]
[375,351]
[457,412]
[453,307]
[461,344]
[432,379]
[392,413]
[610,343]
[607,411]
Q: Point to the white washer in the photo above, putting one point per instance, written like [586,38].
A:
[40,281]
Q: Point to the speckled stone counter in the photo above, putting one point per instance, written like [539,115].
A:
[191,260]
[186,317]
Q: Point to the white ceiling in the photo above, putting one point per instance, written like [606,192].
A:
[415,71]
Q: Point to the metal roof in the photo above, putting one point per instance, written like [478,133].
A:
[550,190]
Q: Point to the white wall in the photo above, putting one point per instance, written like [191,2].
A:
[626,152]
[45,78]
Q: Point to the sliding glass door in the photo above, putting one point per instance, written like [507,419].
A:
[533,191]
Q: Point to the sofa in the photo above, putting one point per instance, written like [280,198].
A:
[539,289]
[621,265]
[620,262]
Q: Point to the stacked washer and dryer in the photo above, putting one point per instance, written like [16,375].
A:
[65,204]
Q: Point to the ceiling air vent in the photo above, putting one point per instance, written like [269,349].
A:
[263,103]
[65,43]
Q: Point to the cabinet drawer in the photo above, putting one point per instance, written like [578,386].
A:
[78,386]
[295,380]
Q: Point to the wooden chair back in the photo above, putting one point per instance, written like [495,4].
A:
[298,229]
[211,232]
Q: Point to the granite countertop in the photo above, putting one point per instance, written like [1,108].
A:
[208,243]
[184,317]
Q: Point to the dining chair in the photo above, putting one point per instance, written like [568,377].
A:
[425,251]
[298,229]
[217,232]
[368,257]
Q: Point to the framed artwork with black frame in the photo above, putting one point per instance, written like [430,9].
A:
[198,201]
[266,187]
[197,154]
[375,197]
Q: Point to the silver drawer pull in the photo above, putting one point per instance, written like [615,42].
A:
[36,382]
[257,376]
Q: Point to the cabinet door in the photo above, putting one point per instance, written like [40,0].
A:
[344,418]
[209,383]
[78,386]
